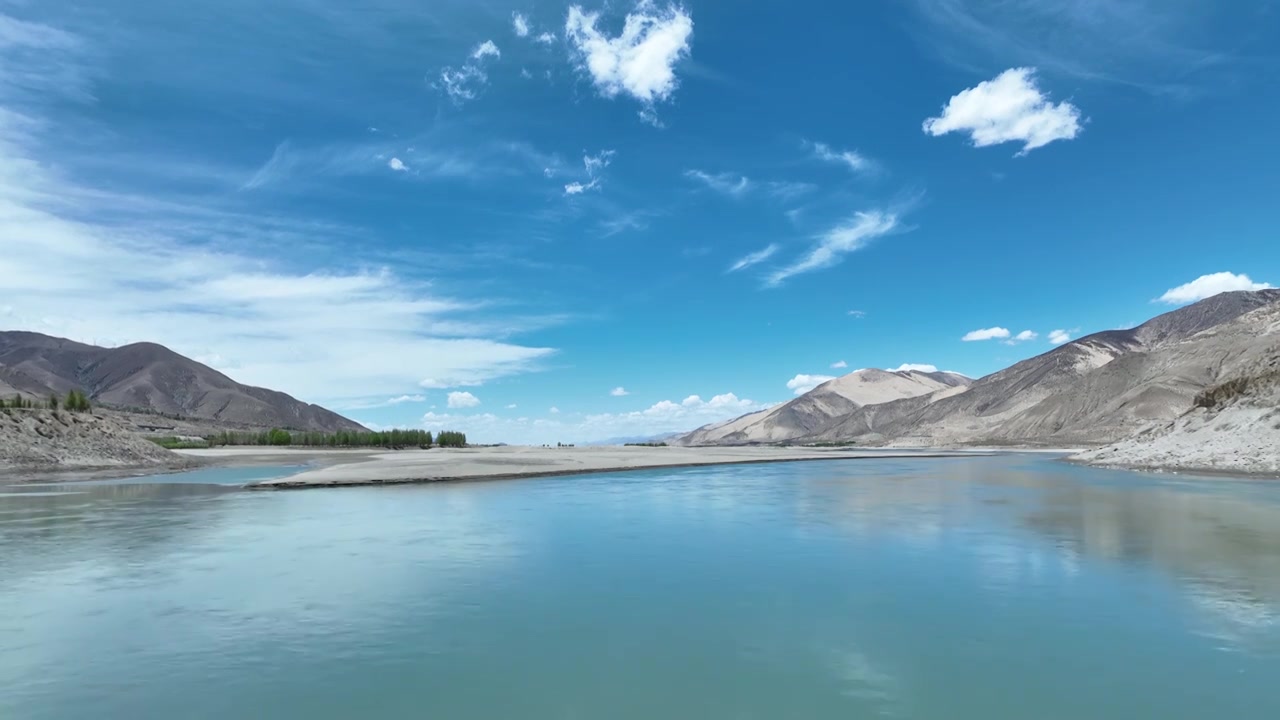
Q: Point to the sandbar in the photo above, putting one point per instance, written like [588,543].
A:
[346,468]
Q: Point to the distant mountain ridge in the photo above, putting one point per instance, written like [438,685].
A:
[153,378]
[815,409]
[1090,391]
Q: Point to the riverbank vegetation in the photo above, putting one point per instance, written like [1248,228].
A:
[391,439]
[75,401]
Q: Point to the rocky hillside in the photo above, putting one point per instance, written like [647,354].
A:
[1233,426]
[817,408]
[151,378]
[1090,391]
[52,440]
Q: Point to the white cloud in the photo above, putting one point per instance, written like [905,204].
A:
[546,38]
[754,258]
[802,384]
[397,164]
[554,410]
[725,183]
[1009,108]
[839,365]
[520,24]
[916,367]
[460,399]
[994,333]
[641,61]
[857,314]
[486,49]
[512,406]
[1057,337]
[839,241]
[619,392]
[577,188]
[852,159]
[406,399]
[1024,336]
[1206,286]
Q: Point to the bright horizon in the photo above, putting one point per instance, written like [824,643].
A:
[554,221]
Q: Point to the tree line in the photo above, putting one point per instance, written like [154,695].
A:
[342,438]
[75,401]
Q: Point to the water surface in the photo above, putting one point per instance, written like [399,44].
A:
[1008,587]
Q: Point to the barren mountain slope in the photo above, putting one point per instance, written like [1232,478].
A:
[150,377]
[819,406]
[1093,390]
[1233,426]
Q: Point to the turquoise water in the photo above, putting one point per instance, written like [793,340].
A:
[1008,587]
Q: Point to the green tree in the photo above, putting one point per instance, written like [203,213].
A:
[77,402]
[53,402]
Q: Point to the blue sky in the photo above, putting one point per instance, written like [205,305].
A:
[548,221]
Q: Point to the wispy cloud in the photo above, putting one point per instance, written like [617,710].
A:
[619,392]
[1206,286]
[755,258]
[465,82]
[1149,44]
[847,237]
[724,183]
[189,271]
[290,163]
[626,221]
[641,61]
[839,365]
[1057,337]
[851,159]
[375,404]
[788,190]
[593,167]
[1010,108]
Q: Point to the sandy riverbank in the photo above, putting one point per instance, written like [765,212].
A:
[341,468]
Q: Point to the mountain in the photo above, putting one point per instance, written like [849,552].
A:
[1233,426]
[817,408]
[151,378]
[1087,392]
[1090,391]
